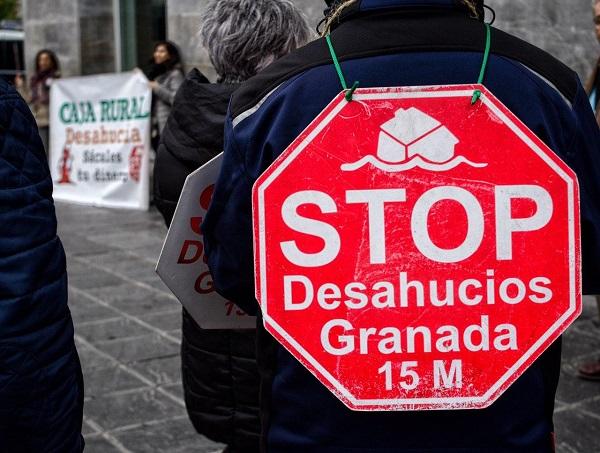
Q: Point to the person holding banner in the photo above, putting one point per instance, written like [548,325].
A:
[47,68]
[165,75]
[403,44]
[41,384]
[219,373]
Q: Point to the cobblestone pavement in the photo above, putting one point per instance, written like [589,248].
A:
[127,327]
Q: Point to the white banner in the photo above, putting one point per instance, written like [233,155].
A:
[182,263]
[100,140]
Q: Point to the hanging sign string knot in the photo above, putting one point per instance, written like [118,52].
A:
[486,55]
[349,91]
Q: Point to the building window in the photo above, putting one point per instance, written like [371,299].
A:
[141,24]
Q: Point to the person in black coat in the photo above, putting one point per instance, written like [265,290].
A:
[219,372]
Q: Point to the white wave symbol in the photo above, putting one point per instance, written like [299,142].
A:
[415,162]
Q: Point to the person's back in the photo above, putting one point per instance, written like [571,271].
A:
[396,43]
[41,386]
[218,367]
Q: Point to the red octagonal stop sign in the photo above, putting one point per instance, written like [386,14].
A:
[415,251]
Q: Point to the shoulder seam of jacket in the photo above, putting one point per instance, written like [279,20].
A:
[252,110]
[548,82]
[248,113]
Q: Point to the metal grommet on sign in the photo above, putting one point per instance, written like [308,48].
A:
[351,91]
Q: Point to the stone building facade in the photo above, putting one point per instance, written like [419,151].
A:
[563,28]
[94,36]
[79,31]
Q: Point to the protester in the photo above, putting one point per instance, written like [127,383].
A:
[41,386]
[591,370]
[165,75]
[220,377]
[47,68]
[391,43]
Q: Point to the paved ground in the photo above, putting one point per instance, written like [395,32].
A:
[127,327]
[128,331]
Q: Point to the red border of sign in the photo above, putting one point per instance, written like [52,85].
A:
[529,138]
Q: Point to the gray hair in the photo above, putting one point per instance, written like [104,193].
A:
[244,36]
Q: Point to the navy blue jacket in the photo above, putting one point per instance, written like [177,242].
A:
[41,388]
[396,43]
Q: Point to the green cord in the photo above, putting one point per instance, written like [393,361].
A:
[336,63]
[486,55]
[476,93]
[338,68]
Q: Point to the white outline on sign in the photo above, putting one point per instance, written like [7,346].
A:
[441,403]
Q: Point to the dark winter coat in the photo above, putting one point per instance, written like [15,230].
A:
[390,43]
[41,386]
[220,376]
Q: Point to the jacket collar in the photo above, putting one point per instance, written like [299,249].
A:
[374,6]
[370,5]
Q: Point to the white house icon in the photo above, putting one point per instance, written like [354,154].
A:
[411,133]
